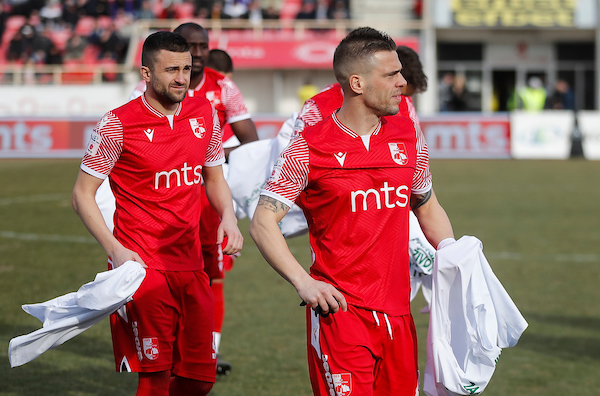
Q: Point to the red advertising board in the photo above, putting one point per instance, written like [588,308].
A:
[456,136]
[67,138]
[467,136]
[281,50]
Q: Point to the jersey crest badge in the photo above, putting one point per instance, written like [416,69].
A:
[398,152]
[198,127]
[342,383]
[150,348]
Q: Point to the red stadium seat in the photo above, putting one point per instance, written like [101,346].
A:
[184,10]
[289,9]
[85,25]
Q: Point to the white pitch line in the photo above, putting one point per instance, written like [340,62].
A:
[32,198]
[46,237]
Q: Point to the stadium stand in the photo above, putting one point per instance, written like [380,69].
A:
[106,28]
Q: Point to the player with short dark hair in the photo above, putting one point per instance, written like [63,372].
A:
[157,149]
[220,61]
[227,99]
[356,175]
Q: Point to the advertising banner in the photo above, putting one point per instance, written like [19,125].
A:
[541,135]
[589,126]
[68,138]
[467,135]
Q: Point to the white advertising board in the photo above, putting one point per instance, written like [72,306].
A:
[541,135]
[589,126]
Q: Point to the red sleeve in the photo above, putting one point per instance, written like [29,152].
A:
[290,174]
[104,148]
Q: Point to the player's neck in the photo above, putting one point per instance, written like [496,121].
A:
[358,118]
[195,80]
[164,106]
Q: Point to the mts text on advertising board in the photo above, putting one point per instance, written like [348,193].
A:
[467,136]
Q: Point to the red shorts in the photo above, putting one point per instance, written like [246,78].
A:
[168,325]
[215,263]
[361,352]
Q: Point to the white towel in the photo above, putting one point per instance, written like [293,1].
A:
[472,318]
[66,316]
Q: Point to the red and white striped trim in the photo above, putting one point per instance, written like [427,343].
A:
[350,131]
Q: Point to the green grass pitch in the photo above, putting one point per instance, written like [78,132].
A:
[538,220]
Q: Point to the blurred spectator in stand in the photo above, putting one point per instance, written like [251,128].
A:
[445,91]
[51,14]
[108,41]
[562,98]
[254,13]
[95,8]
[42,46]
[270,12]
[169,12]
[75,47]
[35,20]
[145,11]
[25,7]
[216,11]
[15,51]
[459,94]
[533,96]
[322,10]
[124,24]
[307,11]
[220,61]
[339,10]
[70,13]
[235,9]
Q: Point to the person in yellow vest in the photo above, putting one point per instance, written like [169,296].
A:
[533,97]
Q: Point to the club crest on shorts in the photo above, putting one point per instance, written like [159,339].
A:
[150,346]
[198,127]
[398,152]
[342,383]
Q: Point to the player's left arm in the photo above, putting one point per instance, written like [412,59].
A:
[432,217]
[219,196]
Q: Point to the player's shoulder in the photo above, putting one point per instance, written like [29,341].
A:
[215,76]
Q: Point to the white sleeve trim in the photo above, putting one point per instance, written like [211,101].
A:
[278,197]
[92,172]
[422,190]
[218,162]
[237,118]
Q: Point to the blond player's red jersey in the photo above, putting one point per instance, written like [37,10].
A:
[155,164]
[355,194]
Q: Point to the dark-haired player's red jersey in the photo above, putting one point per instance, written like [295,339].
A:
[155,164]
[355,193]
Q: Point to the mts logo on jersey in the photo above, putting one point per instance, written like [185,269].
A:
[198,127]
[398,152]
[390,196]
[190,175]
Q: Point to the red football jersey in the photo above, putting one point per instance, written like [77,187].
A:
[356,199]
[155,164]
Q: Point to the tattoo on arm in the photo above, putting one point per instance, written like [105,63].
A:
[418,200]
[272,204]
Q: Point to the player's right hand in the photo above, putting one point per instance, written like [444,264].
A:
[120,256]
[322,297]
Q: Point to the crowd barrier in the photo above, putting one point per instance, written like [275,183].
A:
[518,135]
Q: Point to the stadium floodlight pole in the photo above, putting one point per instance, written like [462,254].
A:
[427,100]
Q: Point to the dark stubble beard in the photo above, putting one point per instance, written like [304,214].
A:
[166,94]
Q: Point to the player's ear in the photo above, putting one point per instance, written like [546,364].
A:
[145,72]
[356,83]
